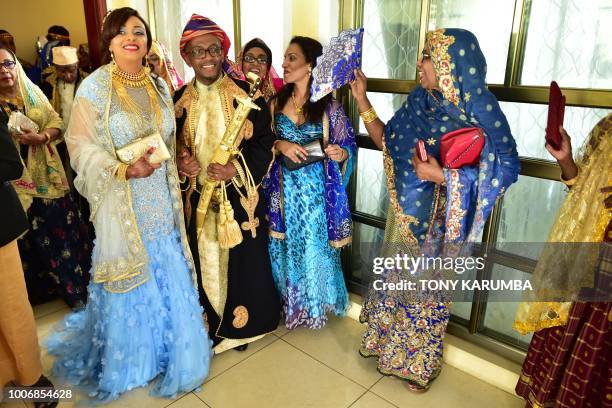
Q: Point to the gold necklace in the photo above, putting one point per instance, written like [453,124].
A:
[122,79]
[16,101]
[10,99]
[132,80]
[298,109]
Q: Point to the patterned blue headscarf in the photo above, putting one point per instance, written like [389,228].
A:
[457,212]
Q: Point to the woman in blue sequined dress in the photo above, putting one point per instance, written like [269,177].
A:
[308,208]
[143,320]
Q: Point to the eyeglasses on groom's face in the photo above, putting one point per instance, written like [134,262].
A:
[199,52]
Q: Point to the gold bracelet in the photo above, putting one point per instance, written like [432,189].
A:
[121,174]
[368,116]
[47,137]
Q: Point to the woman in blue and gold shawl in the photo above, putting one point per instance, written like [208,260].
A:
[431,205]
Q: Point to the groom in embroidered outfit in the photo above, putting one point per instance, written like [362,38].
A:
[236,285]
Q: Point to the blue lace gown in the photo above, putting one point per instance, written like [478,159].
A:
[307,270]
[124,340]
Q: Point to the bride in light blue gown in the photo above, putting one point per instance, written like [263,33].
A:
[143,320]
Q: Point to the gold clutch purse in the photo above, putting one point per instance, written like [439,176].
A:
[133,151]
[18,122]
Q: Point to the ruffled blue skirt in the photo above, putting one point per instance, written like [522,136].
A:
[121,341]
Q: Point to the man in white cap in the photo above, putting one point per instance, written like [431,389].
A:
[61,80]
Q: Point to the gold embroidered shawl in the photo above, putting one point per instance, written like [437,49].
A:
[582,218]
[120,258]
[43,175]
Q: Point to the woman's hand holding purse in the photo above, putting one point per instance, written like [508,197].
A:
[31,138]
[141,168]
[293,151]
[564,156]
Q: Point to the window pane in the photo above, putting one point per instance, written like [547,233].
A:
[528,124]
[462,309]
[493,32]
[499,316]
[367,242]
[571,42]
[391,38]
[276,35]
[462,306]
[372,197]
[169,23]
[171,16]
[386,104]
[529,209]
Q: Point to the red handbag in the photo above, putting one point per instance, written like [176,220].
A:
[461,147]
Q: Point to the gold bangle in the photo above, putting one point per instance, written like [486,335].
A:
[121,174]
[369,116]
[47,137]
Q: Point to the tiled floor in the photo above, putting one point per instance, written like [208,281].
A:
[303,368]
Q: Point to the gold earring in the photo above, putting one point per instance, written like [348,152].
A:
[309,71]
[112,56]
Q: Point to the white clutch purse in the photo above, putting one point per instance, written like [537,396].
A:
[133,151]
[18,123]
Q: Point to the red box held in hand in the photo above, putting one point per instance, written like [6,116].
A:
[556,111]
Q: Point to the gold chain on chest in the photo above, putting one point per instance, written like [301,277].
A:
[138,80]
